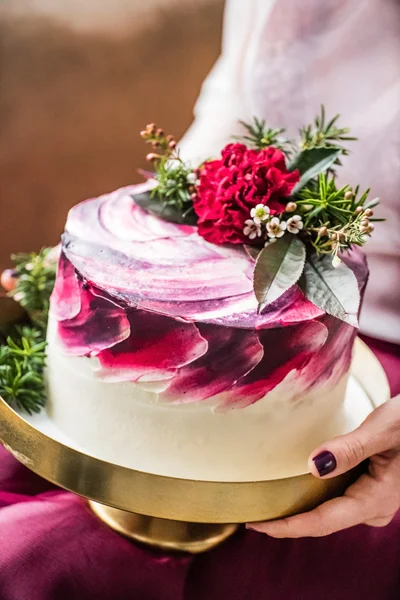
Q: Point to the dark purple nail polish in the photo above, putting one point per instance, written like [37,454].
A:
[325,462]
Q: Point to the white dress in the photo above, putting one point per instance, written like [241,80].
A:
[281,59]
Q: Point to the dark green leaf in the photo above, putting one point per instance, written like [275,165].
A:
[170,213]
[310,163]
[335,291]
[278,267]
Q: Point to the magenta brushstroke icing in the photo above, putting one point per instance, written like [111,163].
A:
[156,348]
[98,325]
[153,301]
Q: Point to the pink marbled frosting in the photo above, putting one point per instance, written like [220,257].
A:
[155,302]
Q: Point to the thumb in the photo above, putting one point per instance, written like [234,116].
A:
[378,433]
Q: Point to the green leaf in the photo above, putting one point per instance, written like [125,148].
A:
[170,213]
[371,204]
[278,267]
[310,163]
[333,290]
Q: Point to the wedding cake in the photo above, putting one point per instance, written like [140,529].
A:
[214,348]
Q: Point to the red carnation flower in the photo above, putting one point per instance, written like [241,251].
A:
[230,187]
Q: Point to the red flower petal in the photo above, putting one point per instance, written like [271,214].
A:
[230,187]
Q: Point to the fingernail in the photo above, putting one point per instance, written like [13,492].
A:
[325,462]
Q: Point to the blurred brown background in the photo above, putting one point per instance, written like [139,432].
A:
[78,81]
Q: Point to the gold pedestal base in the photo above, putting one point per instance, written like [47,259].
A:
[165,534]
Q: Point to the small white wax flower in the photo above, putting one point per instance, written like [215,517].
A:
[269,242]
[294,224]
[260,213]
[191,179]
[276,228]
[336,262]
[251,229]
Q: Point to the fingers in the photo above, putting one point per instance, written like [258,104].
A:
[373,499]
[334,515]
[380,522]
[378,433]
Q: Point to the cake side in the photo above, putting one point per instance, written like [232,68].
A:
[127,423]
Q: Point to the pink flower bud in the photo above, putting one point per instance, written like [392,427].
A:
[291,207]
[8,280]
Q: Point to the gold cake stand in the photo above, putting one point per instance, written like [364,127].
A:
[171,513]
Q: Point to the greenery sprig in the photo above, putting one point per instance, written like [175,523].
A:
[22,361]
[176,180]
[23,355]
[260,136]
[335,219]
[35,277]
[325,134]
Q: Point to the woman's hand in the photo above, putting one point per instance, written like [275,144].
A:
[373,499]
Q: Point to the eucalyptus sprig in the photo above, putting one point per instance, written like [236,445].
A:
[35,277]
[260,136]
[324,134]
[22,362]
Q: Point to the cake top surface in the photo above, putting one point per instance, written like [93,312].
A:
[151,264]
